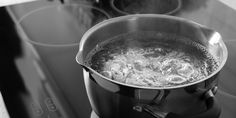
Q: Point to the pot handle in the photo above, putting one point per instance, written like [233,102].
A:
[213,109]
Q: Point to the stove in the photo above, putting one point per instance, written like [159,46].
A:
[212,13]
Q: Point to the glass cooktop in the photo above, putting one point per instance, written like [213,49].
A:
[220,16]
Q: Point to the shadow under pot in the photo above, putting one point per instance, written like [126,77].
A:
[114,99]
[125,7]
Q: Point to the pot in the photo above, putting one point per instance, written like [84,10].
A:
[112,99]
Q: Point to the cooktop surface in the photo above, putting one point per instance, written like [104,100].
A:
[212,13]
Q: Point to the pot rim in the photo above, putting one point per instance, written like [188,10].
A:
[134,17]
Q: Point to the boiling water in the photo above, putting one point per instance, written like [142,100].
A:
[151,59]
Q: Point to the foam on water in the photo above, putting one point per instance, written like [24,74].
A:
[151,59]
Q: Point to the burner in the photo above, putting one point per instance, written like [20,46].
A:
[126,7]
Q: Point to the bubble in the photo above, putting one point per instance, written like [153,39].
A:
[186,70]
[176,79]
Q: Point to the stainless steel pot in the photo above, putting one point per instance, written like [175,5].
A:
[112,99]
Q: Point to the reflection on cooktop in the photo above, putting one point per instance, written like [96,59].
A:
[192,5]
